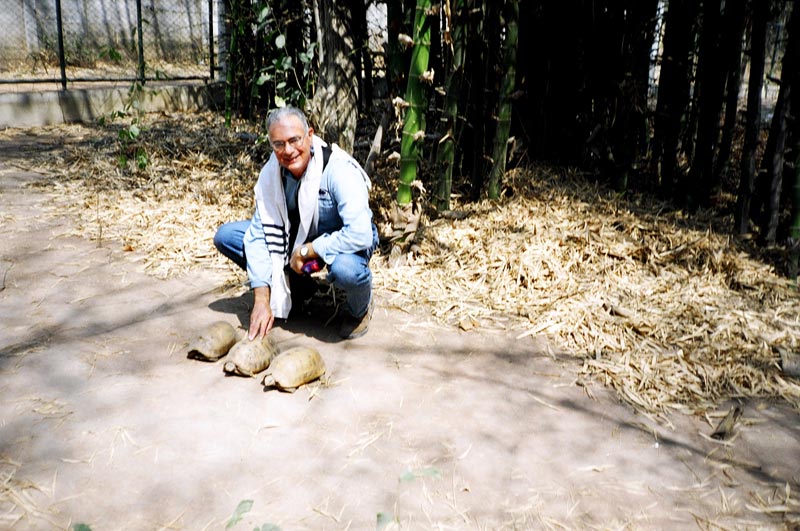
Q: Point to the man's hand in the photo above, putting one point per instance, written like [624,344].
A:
[296,261]
[261,318]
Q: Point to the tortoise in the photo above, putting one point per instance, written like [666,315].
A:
[293,368]
[213,343]
[250,357]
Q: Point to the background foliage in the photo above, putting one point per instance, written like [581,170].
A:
[688,101]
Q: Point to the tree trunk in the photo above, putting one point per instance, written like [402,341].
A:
[640,33]
[774,159]
[486,68]
[511,18]
[245,57]
[711,78]
[603,40]
[414,124]
[733,26]
[362,59]
[290,16]
[335,103]
[446,150]
[628,127]
[758,43]
[395,52]
[230,70]
[673,91]
[794,222]
[794,192]
[552,69]
[768,182]
[474,91]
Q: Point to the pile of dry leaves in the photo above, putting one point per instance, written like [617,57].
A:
[665,309]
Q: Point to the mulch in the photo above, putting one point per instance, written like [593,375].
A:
[667,309]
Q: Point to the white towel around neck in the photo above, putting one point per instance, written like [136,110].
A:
[271,204]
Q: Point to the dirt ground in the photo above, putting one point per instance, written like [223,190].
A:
[105,422]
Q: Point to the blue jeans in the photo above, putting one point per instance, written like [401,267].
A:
[349,272]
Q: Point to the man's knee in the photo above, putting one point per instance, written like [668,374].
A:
[349,271]
[219,238]
[229,236]
[229,240]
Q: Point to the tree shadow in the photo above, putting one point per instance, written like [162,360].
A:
[529,378]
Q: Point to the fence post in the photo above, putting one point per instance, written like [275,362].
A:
[61,57]
[141,40]
[211,38]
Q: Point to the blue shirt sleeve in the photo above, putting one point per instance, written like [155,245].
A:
[345,223]
[259,263]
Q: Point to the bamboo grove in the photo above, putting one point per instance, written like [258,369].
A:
[689,100]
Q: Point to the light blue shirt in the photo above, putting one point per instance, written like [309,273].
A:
[344,225]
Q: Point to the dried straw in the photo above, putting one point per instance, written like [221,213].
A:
[17,502]
[666,309]
[671,317]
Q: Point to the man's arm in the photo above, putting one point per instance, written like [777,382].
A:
[259,271]
[297,260]
[259,262]
[261,318]
[350,193]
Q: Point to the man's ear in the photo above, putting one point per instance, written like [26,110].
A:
[310,132]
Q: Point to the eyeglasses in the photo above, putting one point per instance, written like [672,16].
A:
[280,145]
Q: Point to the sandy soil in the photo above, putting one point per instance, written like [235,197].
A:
[105,422]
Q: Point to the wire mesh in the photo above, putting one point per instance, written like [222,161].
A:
[101,40]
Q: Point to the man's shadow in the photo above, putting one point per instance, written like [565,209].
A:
[318,317]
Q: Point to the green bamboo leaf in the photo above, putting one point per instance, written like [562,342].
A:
[427,472]
[81,527]
[263,78]
[280,41]
[242,509]
[141,158]
[279,102]
[383,520]
[407,477]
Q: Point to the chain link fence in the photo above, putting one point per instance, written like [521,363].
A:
[83,41]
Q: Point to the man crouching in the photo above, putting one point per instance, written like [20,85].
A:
[312,211]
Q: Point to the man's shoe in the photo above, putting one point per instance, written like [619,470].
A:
[354,327]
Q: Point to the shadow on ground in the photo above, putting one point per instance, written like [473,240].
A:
[106,422]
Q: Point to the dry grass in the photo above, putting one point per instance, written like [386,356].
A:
[668,311]
[17,503]
[672,317]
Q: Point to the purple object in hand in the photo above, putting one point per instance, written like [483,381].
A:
[312,266]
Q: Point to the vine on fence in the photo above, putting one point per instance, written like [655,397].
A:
[271,61]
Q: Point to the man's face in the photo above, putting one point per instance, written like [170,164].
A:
[291,144]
